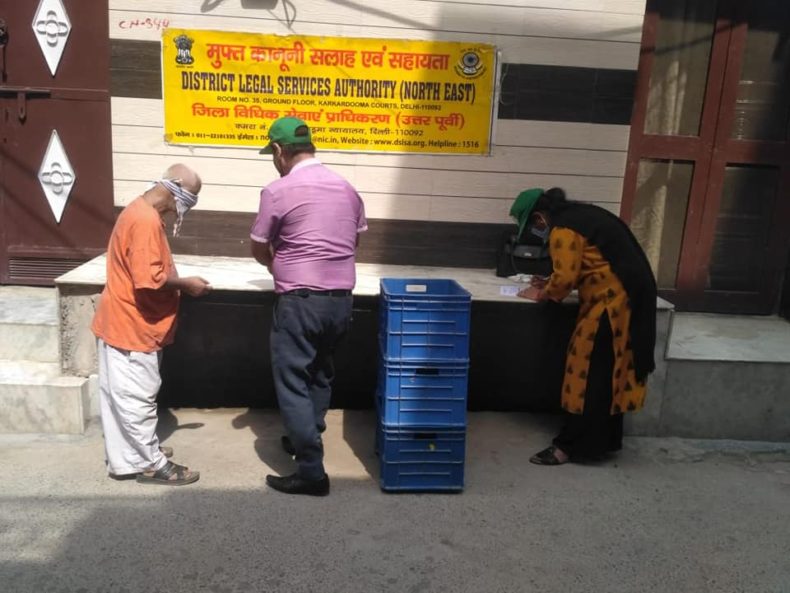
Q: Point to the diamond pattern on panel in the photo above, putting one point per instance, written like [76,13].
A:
[56,176]
[51,26]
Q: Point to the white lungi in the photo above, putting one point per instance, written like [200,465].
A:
[128,384]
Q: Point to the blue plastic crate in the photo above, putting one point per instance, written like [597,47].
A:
[430,393]
[424,319]
[437,290]
[421,477]
[425,346]
[424,459]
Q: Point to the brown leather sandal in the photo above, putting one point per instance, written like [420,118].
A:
[547,457]
[170,474]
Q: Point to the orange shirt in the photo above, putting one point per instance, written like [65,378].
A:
[132,314]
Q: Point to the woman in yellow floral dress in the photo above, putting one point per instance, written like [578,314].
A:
[610,353]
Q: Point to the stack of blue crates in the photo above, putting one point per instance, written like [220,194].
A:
[422,384]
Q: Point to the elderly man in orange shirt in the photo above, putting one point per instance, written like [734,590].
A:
[135,319]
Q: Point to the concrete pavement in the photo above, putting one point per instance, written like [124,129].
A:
[666,515]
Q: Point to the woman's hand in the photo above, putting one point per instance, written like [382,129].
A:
[533,293]
[538,281]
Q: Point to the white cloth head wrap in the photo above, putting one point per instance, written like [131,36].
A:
[185,201]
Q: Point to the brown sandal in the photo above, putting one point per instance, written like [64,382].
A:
[170,474]
[547,457]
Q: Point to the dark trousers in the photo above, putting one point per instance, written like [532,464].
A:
[596,431]
[305,331]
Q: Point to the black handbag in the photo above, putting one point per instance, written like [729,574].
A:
[525,256]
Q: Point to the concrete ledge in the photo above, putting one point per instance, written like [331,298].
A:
[26,372]
[28,324]
[29,342]
[727,400]
[726,377]
[77,305]
[79,289]
[238,360]
[647,422]
[729,338]
[57,405]
[243,274]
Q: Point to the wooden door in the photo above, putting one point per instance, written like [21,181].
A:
[56,204]
[706,186]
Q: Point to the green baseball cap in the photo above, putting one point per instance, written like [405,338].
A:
[284,131]
[523,205]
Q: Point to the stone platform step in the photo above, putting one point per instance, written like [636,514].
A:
[729,338]
[728,377]
[28,324]
[36,398]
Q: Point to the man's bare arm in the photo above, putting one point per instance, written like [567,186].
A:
[192,285]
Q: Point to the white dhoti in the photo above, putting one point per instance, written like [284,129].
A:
[128,385]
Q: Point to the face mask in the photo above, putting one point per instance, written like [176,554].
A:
[542,233]
[185,201]
[181,210]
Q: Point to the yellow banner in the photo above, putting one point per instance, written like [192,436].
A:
[225,89]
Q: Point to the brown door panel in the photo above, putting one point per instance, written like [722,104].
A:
[734,245]
[85,62]
[36,247]
[87,216]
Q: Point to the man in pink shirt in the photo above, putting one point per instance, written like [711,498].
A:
[306,235]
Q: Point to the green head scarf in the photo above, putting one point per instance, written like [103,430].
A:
[523,205]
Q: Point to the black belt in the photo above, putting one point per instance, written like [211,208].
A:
[303,292]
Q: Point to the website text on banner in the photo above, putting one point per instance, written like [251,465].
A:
[225,89]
